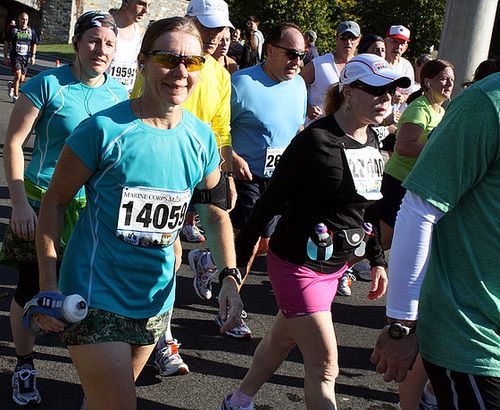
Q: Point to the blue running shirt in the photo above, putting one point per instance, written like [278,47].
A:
[119,257]
[65,102]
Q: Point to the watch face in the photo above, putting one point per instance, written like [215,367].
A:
[395,332]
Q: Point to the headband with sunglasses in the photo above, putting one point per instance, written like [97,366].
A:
[291,54]
[376,91]
[170,60]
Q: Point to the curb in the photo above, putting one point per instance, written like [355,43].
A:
[38,68]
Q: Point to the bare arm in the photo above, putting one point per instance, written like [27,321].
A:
[407,143]
[227,165]
[22,120]
[219,233]
[178,253]
[308,73]
[69,176]
[241,168]
[33,54]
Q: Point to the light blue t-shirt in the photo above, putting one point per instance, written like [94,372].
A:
[64,102]
[136,201]
[265,116]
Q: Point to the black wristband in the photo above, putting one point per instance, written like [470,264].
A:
[230,174]
[234,272]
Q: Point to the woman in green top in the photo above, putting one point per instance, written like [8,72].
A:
[437,78]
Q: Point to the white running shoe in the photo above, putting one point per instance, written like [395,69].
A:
[226,406]
[15,98]
[24,390]
[202,281]
[242,331]
[345,282]
[191,233]
[10,88]
[168,361]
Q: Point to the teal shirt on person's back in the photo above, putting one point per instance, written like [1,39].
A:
[64,102]
[459,172]
[120,255]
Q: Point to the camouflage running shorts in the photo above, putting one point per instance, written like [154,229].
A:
[102,326]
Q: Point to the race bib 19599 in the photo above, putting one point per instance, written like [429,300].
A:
[151,217]
[124,72]
[366,166]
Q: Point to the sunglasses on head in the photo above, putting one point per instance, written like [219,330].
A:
[292,54]
[346,37]
[377,91]
[171,60]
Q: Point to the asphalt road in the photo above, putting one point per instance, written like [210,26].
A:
[217,362]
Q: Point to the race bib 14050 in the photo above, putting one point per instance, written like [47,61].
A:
[151,217]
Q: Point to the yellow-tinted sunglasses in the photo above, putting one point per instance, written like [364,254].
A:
[171,60]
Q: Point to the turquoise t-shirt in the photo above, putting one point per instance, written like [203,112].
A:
[421,113]
[265,116]
[65,103]
[120,256]
[459,173]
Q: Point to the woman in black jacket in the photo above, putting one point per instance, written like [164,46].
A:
[327,178]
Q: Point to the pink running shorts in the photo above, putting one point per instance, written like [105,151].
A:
[299,290]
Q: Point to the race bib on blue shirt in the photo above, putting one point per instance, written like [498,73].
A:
[151,217]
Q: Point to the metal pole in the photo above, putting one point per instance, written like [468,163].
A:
[466,36]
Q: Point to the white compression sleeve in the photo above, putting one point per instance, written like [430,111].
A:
[409,255]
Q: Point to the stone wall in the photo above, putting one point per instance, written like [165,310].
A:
[34,4]
[59,16]
[56,22]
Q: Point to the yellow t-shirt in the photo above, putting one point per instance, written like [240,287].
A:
[210,100]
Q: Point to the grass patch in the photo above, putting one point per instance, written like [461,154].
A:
[57,50]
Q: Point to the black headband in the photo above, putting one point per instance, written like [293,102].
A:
[97,18]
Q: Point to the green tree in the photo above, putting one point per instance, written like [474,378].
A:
[317,15]
[423,17]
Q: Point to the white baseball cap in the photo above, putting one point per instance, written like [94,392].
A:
[210,13]
[372,70]
[400,32]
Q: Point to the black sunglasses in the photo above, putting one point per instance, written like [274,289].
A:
[346,37]
[171,60]
[292,54]
[377,91]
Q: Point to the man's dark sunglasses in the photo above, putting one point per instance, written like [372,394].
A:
[292,54]
[346,37]
[374,90]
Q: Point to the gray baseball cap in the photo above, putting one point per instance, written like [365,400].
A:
[349,26]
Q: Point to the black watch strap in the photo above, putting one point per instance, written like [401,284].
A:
[234,272]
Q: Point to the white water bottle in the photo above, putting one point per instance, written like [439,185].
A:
[69,309]
[74,309]
[320,244]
